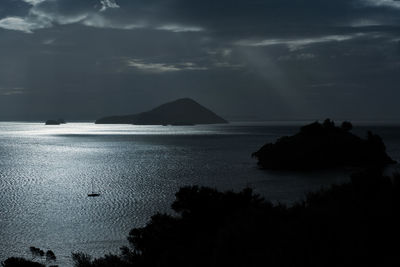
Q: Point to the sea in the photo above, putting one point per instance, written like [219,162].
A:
[46,173]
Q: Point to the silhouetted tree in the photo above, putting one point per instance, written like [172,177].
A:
[81,260]
[347,126]
[84,260]
[36,252]
[50,256]
[328,124]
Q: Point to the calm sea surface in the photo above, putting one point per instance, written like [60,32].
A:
[46,173]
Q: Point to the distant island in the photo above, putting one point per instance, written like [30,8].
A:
[52,122]
[319,146]
[183,111]
[61,121]
[55,122]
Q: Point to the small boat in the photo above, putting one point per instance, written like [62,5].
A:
[93,194]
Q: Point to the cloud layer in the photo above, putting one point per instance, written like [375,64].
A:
[273,59]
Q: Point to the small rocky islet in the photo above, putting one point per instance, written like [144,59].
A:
[55,122]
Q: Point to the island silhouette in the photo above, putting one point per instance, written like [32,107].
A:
[52,122]
[183,111]
[55,122]
[319,146]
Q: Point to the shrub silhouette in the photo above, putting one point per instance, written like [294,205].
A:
[50,256]
[347,126]
[36,252]
[84,260]
[20,262]
[81,259]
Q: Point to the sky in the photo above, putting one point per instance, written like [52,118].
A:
[244,59]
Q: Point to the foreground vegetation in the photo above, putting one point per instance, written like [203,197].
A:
[353,224]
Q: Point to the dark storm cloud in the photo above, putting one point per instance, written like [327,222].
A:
[13,8]
[226,17]
[273,58]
